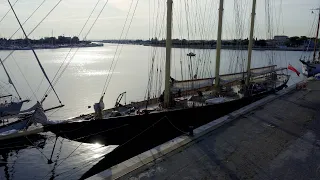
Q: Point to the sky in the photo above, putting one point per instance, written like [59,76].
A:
[192,19]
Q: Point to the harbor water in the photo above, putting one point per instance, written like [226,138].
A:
[82,85]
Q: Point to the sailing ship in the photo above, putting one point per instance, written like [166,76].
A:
[180,106]
[11,105]
[312,67]
[9,108]
[21,120]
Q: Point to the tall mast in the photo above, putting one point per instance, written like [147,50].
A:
[251,41]
[34,53]
[316,39]
[218,48]
[168,54]
[9,78]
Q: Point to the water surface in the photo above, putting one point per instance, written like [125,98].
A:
[82,84]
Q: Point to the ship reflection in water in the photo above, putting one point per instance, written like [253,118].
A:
[34,158]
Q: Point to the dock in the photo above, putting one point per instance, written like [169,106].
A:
[23,133]
[277,137]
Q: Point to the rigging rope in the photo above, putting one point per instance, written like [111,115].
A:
[39,63]
[237,63]
[9,79]
[116,59]
[199,65]
[136,136]
[24,77]
[158,73]
[115,54]
[55,78]
[78,47]
[5,89]
[20,28]
[37,148]
[8,11]
[11,53]
[311,32]
[86,137]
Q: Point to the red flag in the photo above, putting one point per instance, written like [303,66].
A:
[293,69]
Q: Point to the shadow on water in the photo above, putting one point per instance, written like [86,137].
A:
[36,158]
[164,128]
[161,131]
[53,171]
[146,141]
[74,160]
[11,150]
[150,138]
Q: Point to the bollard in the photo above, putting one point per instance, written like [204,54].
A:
[304,86]
[191,131]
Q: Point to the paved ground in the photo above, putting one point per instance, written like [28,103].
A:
[280,140]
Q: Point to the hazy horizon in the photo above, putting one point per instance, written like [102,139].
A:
[191,19]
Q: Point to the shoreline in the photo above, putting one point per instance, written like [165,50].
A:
[244,48]
[236,48]
[49,46]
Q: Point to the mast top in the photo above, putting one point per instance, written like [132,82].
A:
[316,9]
[317,36]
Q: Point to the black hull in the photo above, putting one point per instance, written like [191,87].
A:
[169,124]
[16,125]
[163,131]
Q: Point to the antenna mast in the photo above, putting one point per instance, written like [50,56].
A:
[317,34]
[34,53]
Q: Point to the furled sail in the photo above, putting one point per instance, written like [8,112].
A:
[195,84]
[40,117]
[191,84]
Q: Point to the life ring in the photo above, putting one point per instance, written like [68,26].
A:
[302,85]
[140,112]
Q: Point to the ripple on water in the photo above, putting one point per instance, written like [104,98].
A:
[70,159]
[85,72]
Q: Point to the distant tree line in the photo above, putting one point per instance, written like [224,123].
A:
[46,40]
[184,42]
[294,41]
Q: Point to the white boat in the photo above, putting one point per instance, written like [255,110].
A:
[13,119]
[9,105]
[312,67]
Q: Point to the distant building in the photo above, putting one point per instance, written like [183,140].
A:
[280,40]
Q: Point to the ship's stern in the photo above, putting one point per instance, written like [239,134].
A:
[305,70]
[310,69]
